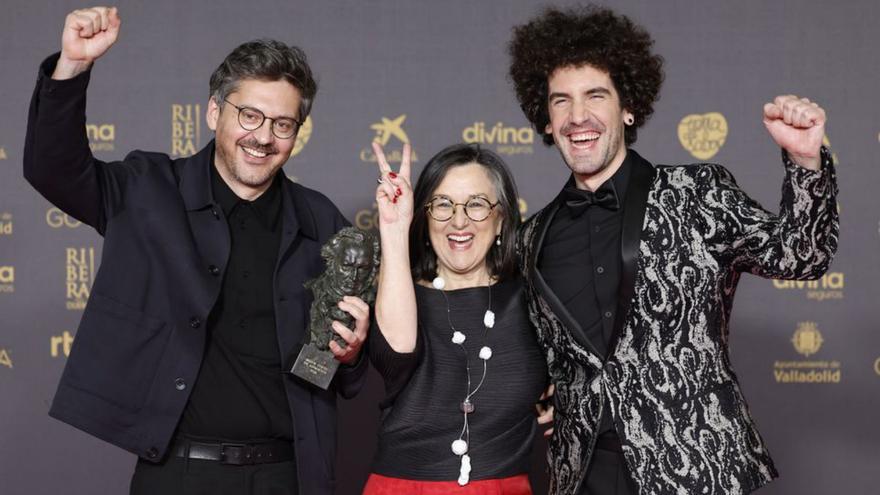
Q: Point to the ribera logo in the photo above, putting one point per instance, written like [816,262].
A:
[5,223]
[384,130]
[507,140]
[7,278]
[186,132]
[830,286]
[703,135]
[302,136]
[57,219]
[807,340]
[102,137]
[79,276]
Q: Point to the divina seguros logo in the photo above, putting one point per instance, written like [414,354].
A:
[507,140]
[830,286]
[102,137]
[384,130]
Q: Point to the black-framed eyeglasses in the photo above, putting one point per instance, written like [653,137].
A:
[477,208]
[251,119]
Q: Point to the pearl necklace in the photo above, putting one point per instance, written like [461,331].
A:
[460,446]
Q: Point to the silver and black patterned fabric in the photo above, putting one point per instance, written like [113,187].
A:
[676,404]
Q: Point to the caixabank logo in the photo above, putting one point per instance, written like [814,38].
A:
[79,275]
[186,128]
[7,279]
[703,135]
[102,137]
[807,341]
[5,223]
[385,129]
[5,357]
[505,139]
[829,287]
[57,219]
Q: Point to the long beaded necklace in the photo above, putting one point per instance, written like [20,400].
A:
[461,446]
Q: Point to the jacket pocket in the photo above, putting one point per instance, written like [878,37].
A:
[116,352]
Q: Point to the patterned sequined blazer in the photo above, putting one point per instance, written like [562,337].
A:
[688,233]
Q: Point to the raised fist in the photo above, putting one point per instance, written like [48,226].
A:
[798,126]
[88,34]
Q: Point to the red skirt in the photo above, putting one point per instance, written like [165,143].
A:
[383,485]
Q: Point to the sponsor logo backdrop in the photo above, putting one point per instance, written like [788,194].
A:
[434,73]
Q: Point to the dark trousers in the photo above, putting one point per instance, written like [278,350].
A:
[180,476]
[607,475]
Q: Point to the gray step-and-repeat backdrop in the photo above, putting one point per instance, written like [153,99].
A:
[434,73]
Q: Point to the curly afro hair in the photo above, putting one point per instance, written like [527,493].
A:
[593,36]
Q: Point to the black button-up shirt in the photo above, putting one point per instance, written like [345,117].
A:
[581,263]
[239,394]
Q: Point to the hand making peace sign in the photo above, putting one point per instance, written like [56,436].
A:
[394,195]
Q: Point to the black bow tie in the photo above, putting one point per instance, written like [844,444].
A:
[578,200]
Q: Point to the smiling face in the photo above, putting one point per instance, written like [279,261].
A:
[248,160]
[461,244]
[587,123]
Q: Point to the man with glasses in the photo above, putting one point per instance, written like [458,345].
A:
[179,354]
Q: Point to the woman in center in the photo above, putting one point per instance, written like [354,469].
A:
[452,338]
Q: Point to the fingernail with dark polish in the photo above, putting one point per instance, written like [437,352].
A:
[392,175]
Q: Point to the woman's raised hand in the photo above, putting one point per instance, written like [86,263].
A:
[394,195]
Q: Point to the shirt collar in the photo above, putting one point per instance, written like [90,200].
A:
[267,207]
[620,177]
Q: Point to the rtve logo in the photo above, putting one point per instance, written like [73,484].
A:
[59,345]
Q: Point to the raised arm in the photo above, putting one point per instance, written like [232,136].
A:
[396,313]
[799,242]
[57,158]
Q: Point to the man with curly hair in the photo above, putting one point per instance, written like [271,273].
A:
[632,269]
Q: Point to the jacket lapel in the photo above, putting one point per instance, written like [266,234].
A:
[641,179]
[542,225]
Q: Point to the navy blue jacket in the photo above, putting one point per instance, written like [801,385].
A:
[141,339]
